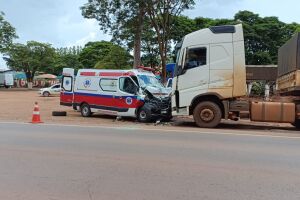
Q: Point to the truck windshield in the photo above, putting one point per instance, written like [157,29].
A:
[149,81]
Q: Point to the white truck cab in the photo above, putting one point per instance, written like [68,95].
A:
[210,69]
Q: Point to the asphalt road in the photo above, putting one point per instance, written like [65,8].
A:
[47,162]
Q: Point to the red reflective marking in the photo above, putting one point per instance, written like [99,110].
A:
[87,73]
[111,74]
[128,74]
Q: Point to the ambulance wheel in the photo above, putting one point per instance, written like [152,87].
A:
[85,110]
[144,114]
[46,94]
[167,119]
[207,114]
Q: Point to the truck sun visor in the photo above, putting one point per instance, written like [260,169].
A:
[222,29]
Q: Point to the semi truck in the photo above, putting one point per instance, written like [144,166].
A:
[210,79]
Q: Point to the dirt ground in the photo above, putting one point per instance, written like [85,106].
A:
[17,106]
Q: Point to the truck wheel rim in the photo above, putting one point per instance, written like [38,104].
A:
[207,115]
[143,114]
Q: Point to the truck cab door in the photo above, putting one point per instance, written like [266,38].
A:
[67,87]
[194,76]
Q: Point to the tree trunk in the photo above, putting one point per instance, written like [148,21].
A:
[29,79]
[138,37]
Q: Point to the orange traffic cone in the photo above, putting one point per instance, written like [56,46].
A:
[36,114]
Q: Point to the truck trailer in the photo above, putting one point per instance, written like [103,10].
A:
[210,79]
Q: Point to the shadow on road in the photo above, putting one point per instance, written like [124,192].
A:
[229,125]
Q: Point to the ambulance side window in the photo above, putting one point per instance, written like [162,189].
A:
[126,85]
[109,85]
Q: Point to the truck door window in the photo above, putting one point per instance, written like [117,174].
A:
[195,57]
[127,85]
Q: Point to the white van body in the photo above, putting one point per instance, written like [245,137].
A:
[210,64]
[107,91]
[6,79]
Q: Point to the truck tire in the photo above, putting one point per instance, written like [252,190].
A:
[59,113]
[207,114]
[144,115]
[297,124]
[46,94]
[85,110]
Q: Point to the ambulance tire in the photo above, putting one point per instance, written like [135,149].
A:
[59,113]
[167,119]
[207,114]
[85,110]
[144,114]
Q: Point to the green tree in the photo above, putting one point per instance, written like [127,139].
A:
[117,58]
[67,57]
[30,58]
[182,26]
[7,33]
[98,54]
[263,36]
[124,19]
[161,14]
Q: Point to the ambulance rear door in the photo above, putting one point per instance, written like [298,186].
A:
[67,91]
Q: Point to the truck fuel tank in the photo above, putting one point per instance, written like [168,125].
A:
[273,112]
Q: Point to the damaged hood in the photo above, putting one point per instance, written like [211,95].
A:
[159,91]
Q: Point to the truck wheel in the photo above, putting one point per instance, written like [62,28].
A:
[85,110]
[207,114]
[144,114]
[297,123]
[46,94]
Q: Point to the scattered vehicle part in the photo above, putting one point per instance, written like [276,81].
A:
[59,113]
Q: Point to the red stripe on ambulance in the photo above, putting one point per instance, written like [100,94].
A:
[88,73]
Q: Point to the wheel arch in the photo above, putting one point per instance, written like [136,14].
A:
[213,97]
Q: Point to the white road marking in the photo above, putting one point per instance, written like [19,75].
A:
[246,133]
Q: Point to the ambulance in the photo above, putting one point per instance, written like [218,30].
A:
[125,93]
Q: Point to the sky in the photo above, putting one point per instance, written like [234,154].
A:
[60,23]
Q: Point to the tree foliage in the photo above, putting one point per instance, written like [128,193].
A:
[161,14]
[7,33]
[67,57]
[122,19]
[30,58]
[103,55]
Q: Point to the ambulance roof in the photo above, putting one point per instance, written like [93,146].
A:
[112,72]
